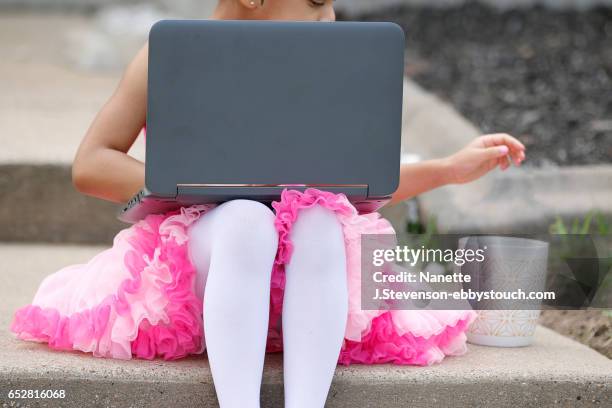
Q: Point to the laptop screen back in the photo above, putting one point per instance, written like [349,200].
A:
[251,102]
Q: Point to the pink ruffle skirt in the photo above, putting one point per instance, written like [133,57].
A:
[137,298]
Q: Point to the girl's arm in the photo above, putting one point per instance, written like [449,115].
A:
[102,168]
[475,160]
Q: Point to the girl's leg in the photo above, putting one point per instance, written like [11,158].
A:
[315,308]
[233,248]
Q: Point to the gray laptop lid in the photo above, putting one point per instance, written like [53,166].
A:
[251,102]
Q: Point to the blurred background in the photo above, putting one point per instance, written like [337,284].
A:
[538,69]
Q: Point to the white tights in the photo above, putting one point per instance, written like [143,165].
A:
[233,249]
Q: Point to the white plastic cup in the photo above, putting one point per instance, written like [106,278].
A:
[509,263]
[503,328]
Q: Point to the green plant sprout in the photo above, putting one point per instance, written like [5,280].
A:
[593,223]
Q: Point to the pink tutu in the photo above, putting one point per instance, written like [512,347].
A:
[137,298]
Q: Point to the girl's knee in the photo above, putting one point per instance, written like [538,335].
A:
[242,227]
[318,228]
[248,219]
[246,209]
[318,221]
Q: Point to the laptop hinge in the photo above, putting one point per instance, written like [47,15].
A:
[263,192]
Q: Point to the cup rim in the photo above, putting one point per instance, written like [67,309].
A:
[507,241]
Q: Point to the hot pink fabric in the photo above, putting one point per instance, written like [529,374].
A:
[137,298]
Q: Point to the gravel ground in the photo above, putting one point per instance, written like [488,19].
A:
[590,327]
[542,75]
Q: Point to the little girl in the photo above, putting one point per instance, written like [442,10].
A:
[239,279]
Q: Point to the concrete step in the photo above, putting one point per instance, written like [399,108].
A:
[46,106]
[555,371]
[520,200]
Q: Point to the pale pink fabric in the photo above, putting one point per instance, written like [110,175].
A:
[137,298]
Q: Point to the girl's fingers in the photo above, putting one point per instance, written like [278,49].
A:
[500,150]
[494,153]
[503,163]
[516,157]
[519,157]
[503,139]
[516,148]
[513,142]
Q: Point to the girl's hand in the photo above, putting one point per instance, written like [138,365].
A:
[482,155]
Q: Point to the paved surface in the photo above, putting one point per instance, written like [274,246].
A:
[554,371]
[46,104]
[432,128]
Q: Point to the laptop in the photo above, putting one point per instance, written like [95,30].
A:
[245,109]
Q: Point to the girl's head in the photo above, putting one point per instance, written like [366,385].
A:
[300,10]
